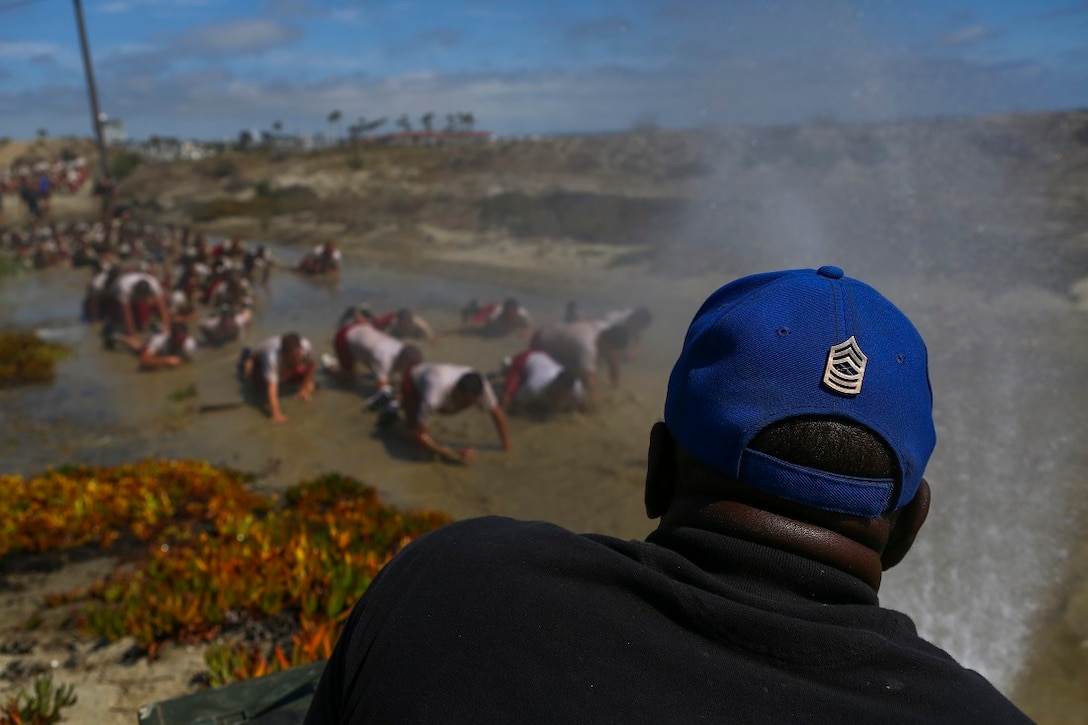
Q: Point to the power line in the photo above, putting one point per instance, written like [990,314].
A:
[92,93]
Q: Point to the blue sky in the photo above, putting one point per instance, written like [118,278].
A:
[208,68]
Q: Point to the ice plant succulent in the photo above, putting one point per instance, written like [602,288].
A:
[215,552]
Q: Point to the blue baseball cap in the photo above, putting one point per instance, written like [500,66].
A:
[803,342]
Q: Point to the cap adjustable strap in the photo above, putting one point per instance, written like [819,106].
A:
[868,497]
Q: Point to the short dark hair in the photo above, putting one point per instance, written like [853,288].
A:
[617,336]
[471,383]
[409,356]
[290,342]
[834,445]
[640,319]
[142,289]
[566,379]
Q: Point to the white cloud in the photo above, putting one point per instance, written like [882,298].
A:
[968,35]
[603,98]
[38,52]
[241,36]
[113,7]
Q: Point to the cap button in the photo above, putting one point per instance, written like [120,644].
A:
[830,272]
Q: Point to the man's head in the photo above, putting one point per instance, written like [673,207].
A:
[405,323]
[640,319]
[291,350]
[408,357]
[467,391]
[562,388]
[179,332]
[802,391]
[614,338]
[142,290]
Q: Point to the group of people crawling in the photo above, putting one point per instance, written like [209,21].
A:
[151,287]
[556,370]
[162,293]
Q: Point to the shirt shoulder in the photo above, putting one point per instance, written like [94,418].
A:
[489,544]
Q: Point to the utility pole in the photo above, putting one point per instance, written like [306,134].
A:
[96,117]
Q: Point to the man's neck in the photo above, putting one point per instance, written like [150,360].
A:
[851,546]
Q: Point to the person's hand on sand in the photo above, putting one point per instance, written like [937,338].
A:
[278,418]
[467,455]
[306,393]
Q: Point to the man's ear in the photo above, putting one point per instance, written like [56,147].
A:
[905,527]
[660,471]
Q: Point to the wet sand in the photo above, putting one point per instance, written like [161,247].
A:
[986,582]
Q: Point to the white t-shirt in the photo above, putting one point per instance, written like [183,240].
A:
[435,383]
[268,354]
[98,282]
[159,346]
[127,283]
[319,251]
[617,317]
[572,344]
[374,348]
[210,326]
[539,372]
[178,302]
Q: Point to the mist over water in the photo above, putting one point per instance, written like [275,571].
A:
[968,226]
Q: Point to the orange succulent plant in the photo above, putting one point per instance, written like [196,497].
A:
[216,550]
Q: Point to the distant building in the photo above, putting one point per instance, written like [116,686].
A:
[113,130]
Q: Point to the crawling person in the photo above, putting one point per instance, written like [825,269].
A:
[533,378]
[635,319]
[496,319]
[225,325]
[578,347]
[97,297]
[280,360]
[359,342]
[133,299]
[324,259]
[440,388]
[168,349]
[404,323]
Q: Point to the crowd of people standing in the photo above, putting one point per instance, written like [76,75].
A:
[35,183]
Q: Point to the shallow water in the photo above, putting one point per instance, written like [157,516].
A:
[1006,365]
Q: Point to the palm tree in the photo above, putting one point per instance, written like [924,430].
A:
[354,131]
[375,124]
[468,120]
[427,119]
[404,123]
[334,120]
